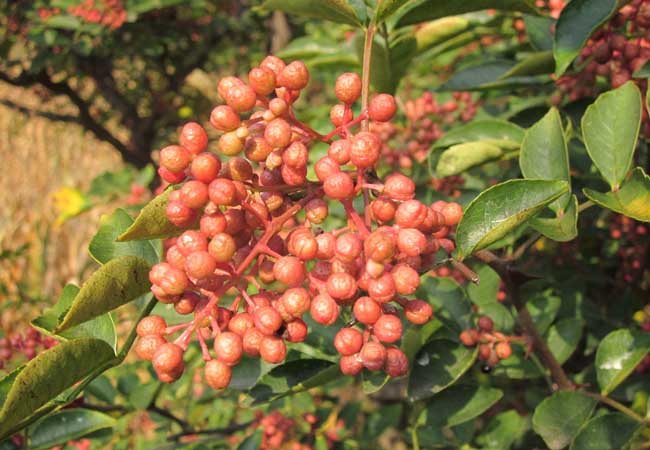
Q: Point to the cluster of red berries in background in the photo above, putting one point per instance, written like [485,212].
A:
[612,56]
[493,346]
[26,344]
[256,233]
[281,431]
[110,13]
[426,121]
[136,195]
[633,239]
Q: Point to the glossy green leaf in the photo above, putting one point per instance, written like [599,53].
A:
[439,31]
[101,327]
[104,247]
[252,442]
[538,30]
[458,404]
[617,356]
[152,222]
[610,128]
[67,425]
[485,292]
[335,10]
[458,158]
[293,377]
[116,283]
[6,382]
[484,75]
[632,199]
[558,418]
[519,366]
[563,338]
[417,11]
[437,366]
[480,130]
[502,208]
[49,374]
[544,154]
[561,229]
[578,20]
[503,430]
[606,432]
[539,63]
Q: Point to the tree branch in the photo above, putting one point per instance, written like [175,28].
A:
[225,430]
[45,114]
[513,279]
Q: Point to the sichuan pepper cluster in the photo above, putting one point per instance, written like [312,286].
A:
[257,252]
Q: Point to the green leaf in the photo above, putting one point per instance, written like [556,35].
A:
[485,292]
[558,418]
[458,158]
[539,63]
[6,382]
[543,308]
[439,31]
[104,247]
[458,404]
[539,33]
[49,374]
[417,11]
[563,228]
[152,222]
[480,130]
[335,10]
[63,22]
[617,356]
[67,425]
[579,19]
[503,430]
[116,283]
[386,9]
[610,128]
[437,366]
[101,327]
[252,442]
[293,377]
[606,432]
[518,367]
[502,208]
[563,338]
[544,154]
[632,199]
[449,301]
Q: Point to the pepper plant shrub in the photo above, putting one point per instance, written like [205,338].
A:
[470,280]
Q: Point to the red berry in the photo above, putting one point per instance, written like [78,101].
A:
[289,270]
[379,246]
[262,80]
[296,155]
[296,331]
[194,194]
[168,358]
[267,320]
[406,279]
[273,63]
[411,214]
[382,107]
[485,323]
[151,325]
[388,328]
[396,363]
[348,341]
[418,312]
[503,350]
[145,348]
[278,133]
[324,310]
[339,186]
[240,323]
[340,115]
[205,167]
[316,210]
[230,144]
[241,98]
[383,209]
[399,187]
[351,365]
[228,347]
[194,138]
[222,247]
[452,213]
[382,289]
[251,341]
[341,286]
[191,241]
[217,374]
[257,149]
[410,241]
[296,301]
[224,118]
[175,158]
[365,148]
[273,349]
[348,87]
[294,76]
[373,355]
[200,265]
[348,247]
[366,310]
[222,191]
[339,151]
[171,177]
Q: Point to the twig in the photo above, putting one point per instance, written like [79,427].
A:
[186,427]
[523,248]
[226,430]
[513,280]
[466,271]
[616,405]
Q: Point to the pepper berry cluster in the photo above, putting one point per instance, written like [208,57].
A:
[493,346]
[26,344]
[427,119]
[612,55]
[255,230]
